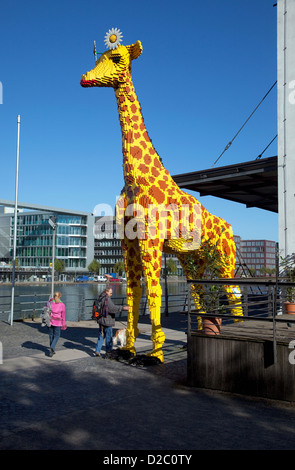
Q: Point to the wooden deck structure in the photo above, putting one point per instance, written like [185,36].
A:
[254,357]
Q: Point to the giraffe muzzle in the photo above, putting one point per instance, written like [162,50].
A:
[86,83]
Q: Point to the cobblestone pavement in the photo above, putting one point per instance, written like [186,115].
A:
[78,401]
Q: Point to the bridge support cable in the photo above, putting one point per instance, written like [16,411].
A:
[231,141]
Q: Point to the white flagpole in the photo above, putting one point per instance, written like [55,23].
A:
[15,221]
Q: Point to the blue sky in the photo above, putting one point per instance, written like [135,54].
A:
[204,68]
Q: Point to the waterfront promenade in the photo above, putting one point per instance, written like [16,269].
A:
[76,401]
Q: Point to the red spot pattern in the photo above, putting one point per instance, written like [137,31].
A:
[151,184]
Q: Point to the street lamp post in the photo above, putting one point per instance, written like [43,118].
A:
[52,223]
[15,221]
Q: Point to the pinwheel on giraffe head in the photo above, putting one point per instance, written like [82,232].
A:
[110,69]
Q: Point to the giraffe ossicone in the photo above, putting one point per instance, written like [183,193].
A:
[153,213]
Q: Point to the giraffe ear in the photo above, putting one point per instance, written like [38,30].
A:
[135,50]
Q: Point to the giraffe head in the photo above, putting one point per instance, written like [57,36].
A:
[112,67]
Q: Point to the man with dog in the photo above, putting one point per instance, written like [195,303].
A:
[107,321]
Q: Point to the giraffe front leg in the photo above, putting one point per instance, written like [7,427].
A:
[194,270]
[158,336]
[197,292]
[133,302]
[151,255]
[133,271]
[234,298]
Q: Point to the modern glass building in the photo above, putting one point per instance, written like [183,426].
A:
[74,243]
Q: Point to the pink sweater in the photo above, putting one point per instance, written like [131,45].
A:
[58,314]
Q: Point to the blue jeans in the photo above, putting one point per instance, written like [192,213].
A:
[54,334]
[108,336]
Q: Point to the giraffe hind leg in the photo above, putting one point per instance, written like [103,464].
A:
[233,292]
[197,291]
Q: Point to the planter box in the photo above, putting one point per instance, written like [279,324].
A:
[241,365]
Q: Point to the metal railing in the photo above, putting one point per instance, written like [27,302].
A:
[79,307]
[261,300]
[29,305]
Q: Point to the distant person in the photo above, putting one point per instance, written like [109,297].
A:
[107,321]
[57,321]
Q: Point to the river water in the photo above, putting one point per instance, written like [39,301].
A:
[78,298]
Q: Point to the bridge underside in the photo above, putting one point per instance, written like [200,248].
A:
[253,183]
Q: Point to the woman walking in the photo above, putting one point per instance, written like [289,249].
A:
[57,321]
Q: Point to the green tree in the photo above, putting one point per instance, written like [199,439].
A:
[271,271]
[59,265]
[94,266]
[16,262]
[119,268]
[171,266]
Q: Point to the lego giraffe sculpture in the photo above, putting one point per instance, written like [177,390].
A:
[154,198]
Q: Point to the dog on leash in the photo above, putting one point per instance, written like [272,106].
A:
[120,336]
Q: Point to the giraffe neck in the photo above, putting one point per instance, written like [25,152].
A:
[141,163]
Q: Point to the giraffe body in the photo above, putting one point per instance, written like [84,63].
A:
[153,200]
